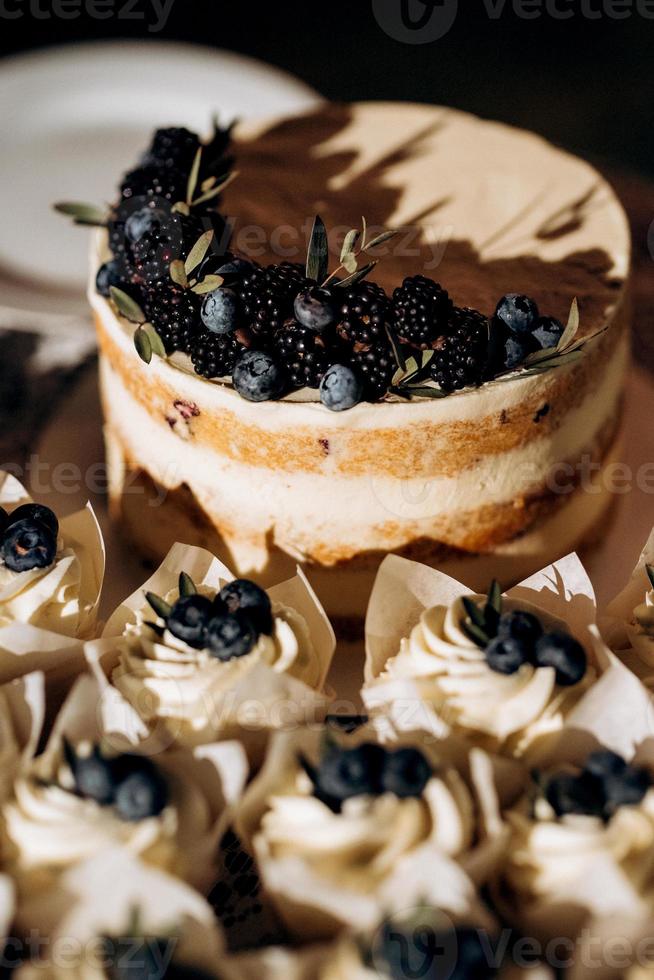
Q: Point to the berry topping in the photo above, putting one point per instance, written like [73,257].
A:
[548,332]
[189,618]
[605,784]
[561,651]
[518,313]
[220,311]
[233,267]
[230,636]
[214,356]
[344,773]
[146,223]
[110,274]
[150,184]
[506,656]
[421,311]
[303,354]
[142,791]
[94,775]
[175,315]
[257,376]
[267,296]
[406,772]
[460,359]
[35,512]
[341,388]
[172,147]
[520,625]
[461,953]
[517,349]
[363,315]
[375,366]
[314,309]
[244,596]
[28,544]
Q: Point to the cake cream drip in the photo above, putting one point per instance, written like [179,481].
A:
[188,689]
[48,598]
[549,858]
[451,674]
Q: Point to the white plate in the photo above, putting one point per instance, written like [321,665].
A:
[73,119]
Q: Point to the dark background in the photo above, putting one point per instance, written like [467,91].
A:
[584,83]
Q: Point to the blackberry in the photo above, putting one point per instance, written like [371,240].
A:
[460,358]
[303,354]
[421,311]
[175,147]
[151,183]
[213,355]
[175,315]
[362,315]
[267,296]
[375,366]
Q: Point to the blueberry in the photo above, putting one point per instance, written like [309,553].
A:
[517,349]
[109,275]
[247,597]
[569,793]
[561,651]
[344,773]
[146,222]
[142,791]
[406,772]
[230,636]
[626,788]
[314,309]
[35,512]
[28,544]
[220,311]
[521,626]
[341,388]
[189,618]
[506,656]
[461,953]
[258,377]
[548,331]
[604,763]
[234,267]
[518,313]
[94,777]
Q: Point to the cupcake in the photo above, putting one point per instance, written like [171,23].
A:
[50,581]
[200,655]
[146,924]
[501,671]
[582,846]
[346,829]
[88,792]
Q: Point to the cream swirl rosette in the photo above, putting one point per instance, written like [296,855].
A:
[425,670]
[46,612]
[345,829]
[115,910]
[629,623]
[188,695]
[79,798]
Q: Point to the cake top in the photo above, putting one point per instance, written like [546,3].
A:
[275,300]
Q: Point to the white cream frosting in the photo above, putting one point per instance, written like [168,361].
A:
[47,828]
[549,859]
[189,690]
[641,631]
[450,671]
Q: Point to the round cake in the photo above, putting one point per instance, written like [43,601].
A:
[496,479]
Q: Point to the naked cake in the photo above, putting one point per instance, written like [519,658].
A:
[434,405]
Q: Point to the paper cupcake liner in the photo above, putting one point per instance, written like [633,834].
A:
[264,699]
[26,647]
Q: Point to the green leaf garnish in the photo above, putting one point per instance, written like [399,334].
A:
[349,243]
[126,306]
[385,236]
[476,634]
[650,574]
[162,608]
[186,585]
[178,273]
[356,276]
[318,253]
[571,329]
[82,214]
[198,252]
[193,177]
[495,596]
[155,627]
[398,353]
[156,343]
[143,345]
[473,611]
[207,285]
[217,189]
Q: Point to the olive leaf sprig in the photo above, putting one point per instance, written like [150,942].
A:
[355,246]
[650,574]
[163,609]
[146,339]
[482,621]
[187,273]
[208,190]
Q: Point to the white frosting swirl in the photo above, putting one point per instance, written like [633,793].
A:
[549,857]
[360,846]
[451,673]
[196,695]
[48,828]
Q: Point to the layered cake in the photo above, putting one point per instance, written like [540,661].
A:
[282,413]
